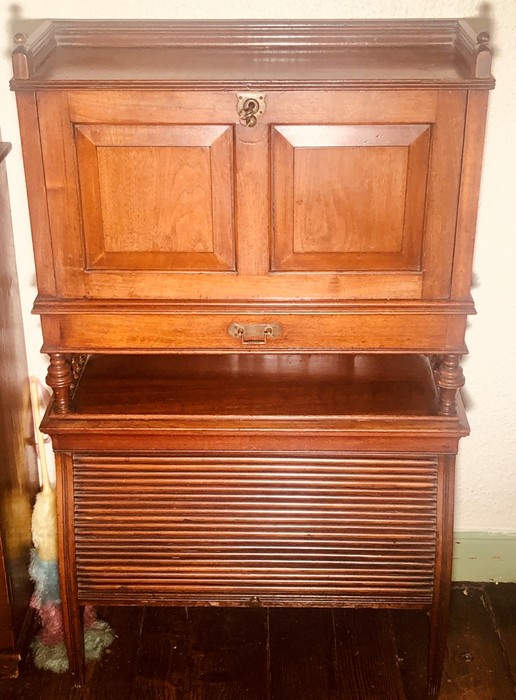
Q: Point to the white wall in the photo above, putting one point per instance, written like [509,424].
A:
[486,488]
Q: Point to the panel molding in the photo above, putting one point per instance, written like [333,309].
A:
[306,237]
[203,152]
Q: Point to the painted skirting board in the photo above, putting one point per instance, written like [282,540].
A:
[484,556]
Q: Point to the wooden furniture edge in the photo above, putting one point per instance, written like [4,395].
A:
[442,576]
[10,660]
[474,50]
[244,32]
[31,52]
[469,191]
[9,663]
[28,119]
[61,306]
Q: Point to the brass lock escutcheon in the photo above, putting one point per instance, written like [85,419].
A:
[249,108]
[254,333]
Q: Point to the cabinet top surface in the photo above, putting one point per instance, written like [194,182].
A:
[254,54]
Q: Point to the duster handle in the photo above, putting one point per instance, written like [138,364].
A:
[36,416]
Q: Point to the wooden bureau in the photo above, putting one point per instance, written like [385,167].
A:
[236,224]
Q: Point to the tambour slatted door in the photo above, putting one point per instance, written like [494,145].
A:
[270,530]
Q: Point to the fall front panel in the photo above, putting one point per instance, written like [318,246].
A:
[338,195]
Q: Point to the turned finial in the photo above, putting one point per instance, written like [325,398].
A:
[483,38]
[20,38]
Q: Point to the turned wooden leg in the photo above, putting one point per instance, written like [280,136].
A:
[449,378]
[72,614]
[442,577]
[59,379]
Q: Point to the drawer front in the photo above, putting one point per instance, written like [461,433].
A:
[273,332]
[263,531]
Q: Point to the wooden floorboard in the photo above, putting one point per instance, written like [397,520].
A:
[228,654]
[475,667]
[117,668]
[367,665]
[163,656]
[502,602]
[411,629]
[293,654]
[302,654]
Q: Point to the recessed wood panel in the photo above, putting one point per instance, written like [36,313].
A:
[349,197]
[183,215]
[330,217]
[156,198]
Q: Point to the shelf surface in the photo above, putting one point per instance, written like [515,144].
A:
[257,385]
[269,403]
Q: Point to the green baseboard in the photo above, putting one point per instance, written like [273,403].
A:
[484,556]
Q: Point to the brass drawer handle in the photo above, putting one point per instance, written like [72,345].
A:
[254,333]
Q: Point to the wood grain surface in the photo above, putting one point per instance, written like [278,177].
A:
[281,654]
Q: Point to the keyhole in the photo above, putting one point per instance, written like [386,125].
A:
[251,106]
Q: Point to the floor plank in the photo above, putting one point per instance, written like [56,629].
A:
[366,656]
[475,667]
[302,654]
[502,601]
[162,663]
[40,685]
[228,654]
[115,671]
[411,630]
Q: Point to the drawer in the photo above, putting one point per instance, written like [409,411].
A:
[269,531]
[276,332]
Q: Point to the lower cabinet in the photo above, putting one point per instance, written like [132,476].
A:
[295,480]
